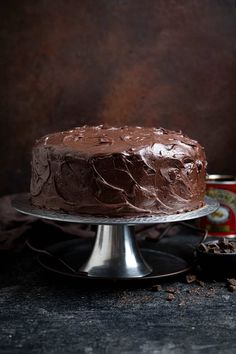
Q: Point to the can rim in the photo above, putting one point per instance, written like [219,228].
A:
[221,179]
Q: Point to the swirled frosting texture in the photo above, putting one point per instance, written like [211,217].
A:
[123,171]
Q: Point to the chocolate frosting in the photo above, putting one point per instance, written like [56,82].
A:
[123,171]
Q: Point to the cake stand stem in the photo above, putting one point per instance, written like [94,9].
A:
[115,254]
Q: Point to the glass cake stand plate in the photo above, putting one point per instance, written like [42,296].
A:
[115,253]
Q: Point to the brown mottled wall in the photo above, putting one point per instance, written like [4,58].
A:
[157,62]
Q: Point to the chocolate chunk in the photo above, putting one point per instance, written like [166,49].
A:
[231,281]
[191,278]
[170,297]
[232,288]
[156,288]
[223,243]
[232,246]
[171,290]
[231,284]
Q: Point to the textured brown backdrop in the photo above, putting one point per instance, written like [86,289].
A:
[69,62]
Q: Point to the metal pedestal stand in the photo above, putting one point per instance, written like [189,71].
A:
[115,254]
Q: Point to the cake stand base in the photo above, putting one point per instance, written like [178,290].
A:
[71,257]
[115,254]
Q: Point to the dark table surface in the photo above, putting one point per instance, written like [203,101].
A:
[41,313]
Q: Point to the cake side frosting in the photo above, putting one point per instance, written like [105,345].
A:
[118,171]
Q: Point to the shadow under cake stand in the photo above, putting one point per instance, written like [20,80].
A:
[115,253]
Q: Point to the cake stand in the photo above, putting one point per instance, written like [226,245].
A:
[115,253]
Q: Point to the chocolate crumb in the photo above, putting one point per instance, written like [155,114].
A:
[170,297]
[156,288]
[231,281]
[171,290]
[231,285]
[191,278]
[232,288]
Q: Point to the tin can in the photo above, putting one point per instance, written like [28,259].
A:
[223,221]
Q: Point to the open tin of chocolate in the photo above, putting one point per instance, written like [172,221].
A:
[223,221]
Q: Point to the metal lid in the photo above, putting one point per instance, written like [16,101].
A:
[221,179]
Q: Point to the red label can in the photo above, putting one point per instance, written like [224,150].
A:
[223,221]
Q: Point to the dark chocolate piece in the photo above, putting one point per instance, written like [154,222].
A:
[171,290]
[231,284]
[170,297]
[221,246]
[156,288]
[191,278]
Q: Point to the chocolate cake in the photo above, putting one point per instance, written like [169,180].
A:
[127,171]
